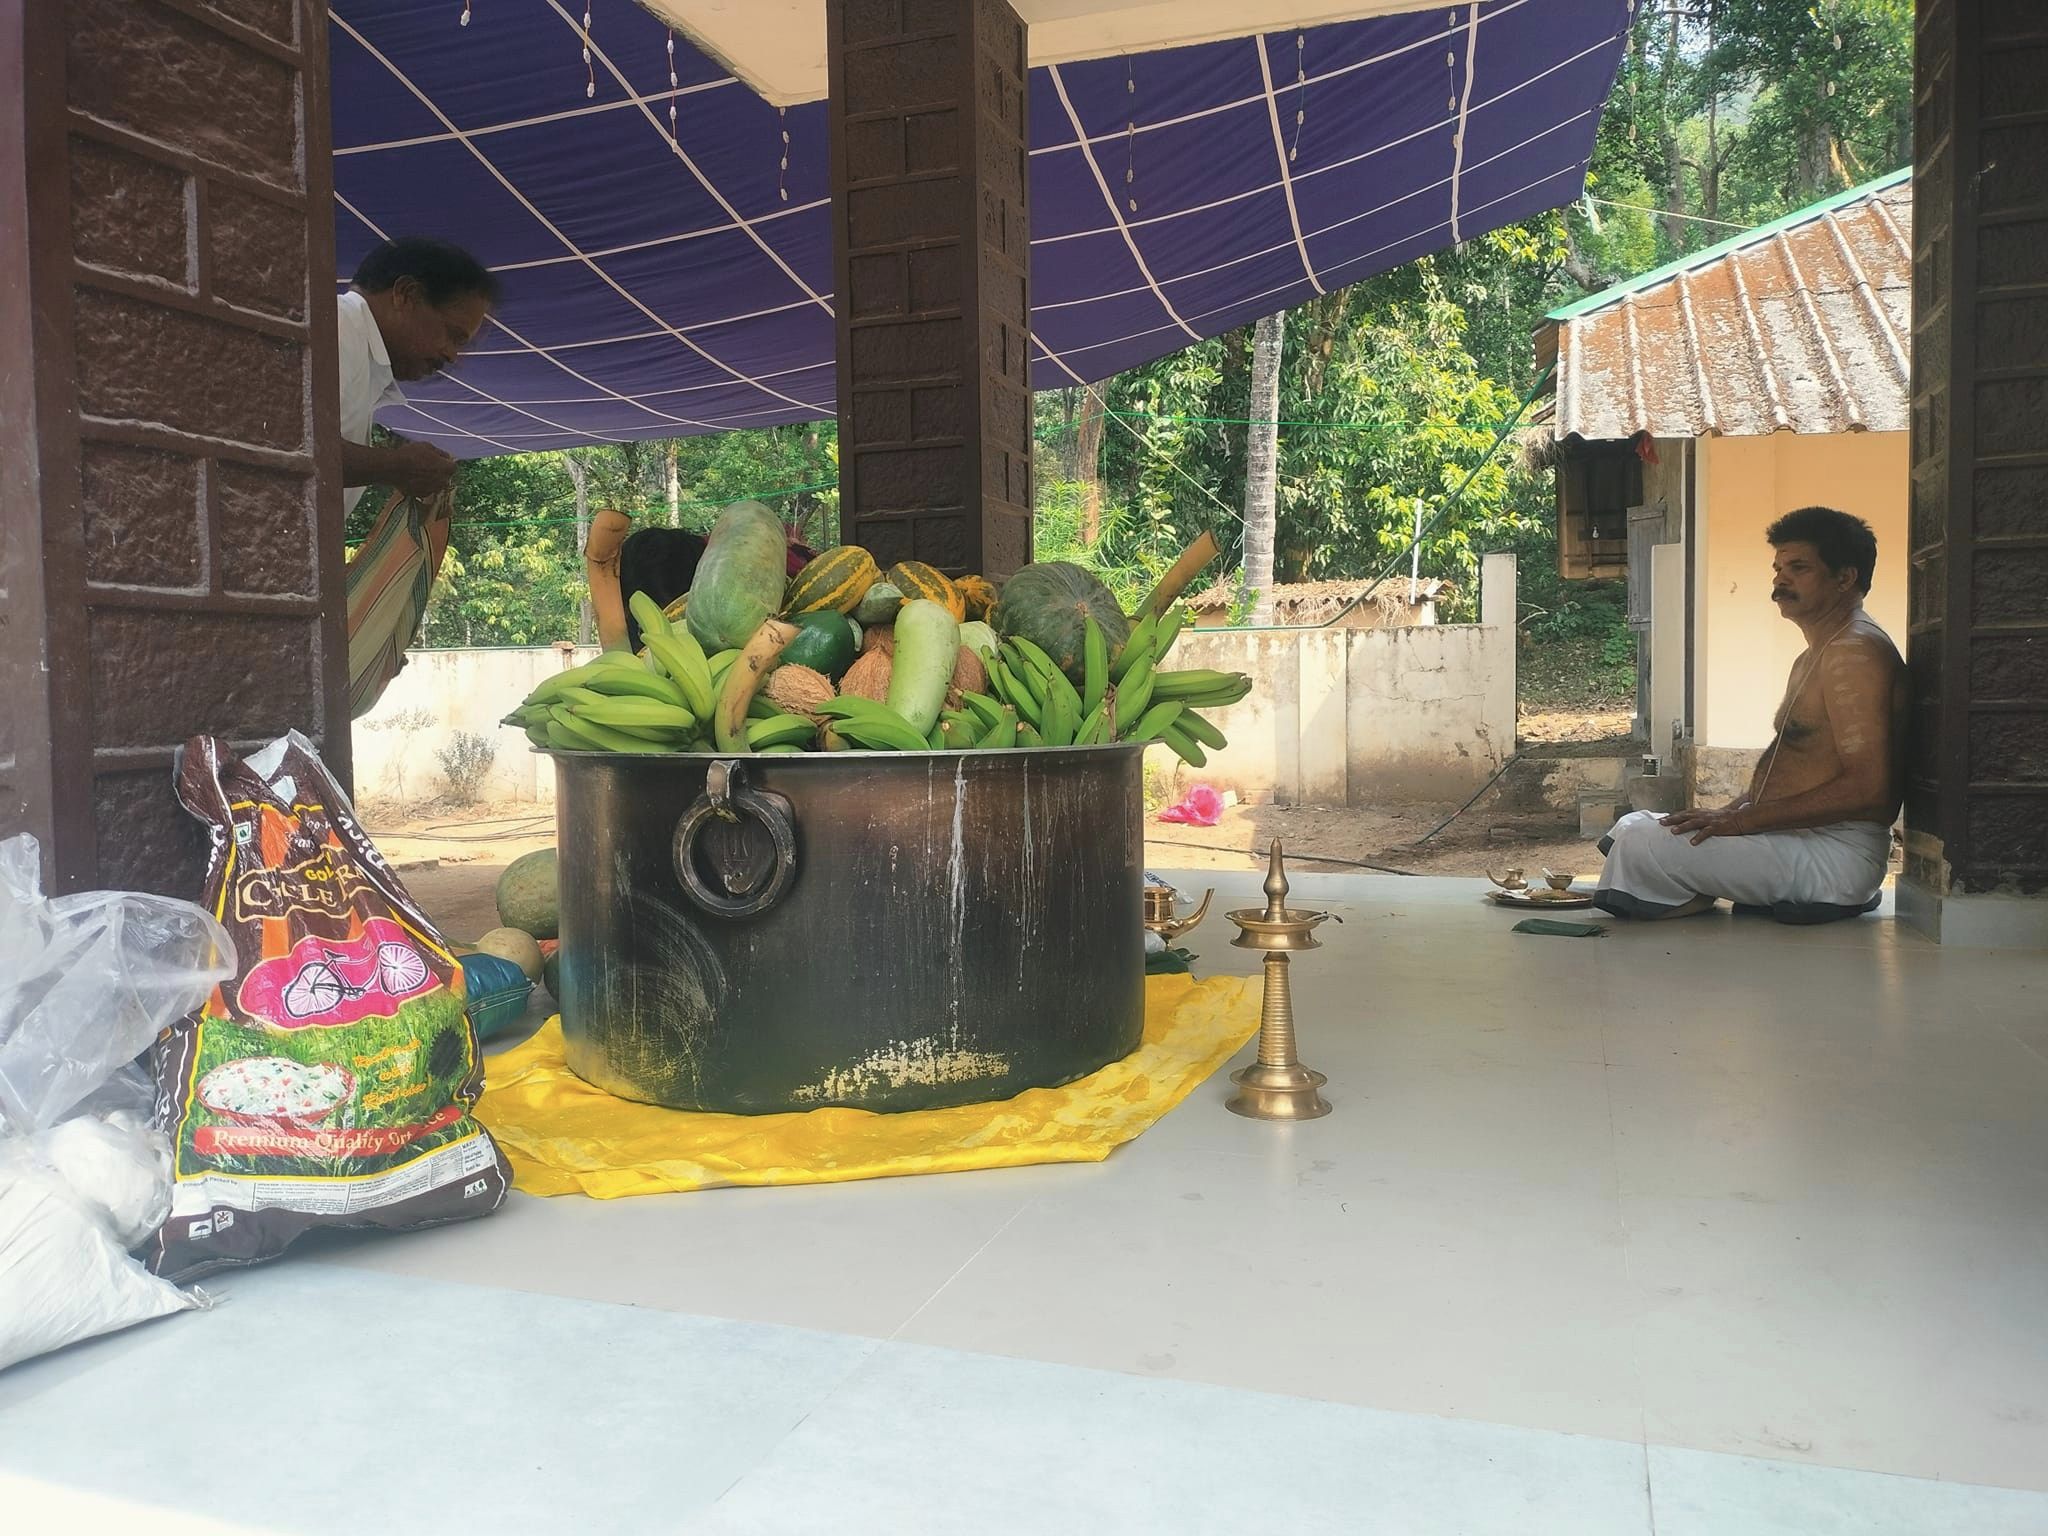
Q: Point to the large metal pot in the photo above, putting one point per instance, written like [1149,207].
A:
[885,930]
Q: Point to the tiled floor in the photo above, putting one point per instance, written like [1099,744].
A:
[1708,1228]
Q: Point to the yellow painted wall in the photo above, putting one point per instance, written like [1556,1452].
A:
[1743,650]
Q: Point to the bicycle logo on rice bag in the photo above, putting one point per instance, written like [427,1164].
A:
[330,1082]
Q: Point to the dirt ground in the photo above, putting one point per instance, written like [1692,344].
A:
[451,858]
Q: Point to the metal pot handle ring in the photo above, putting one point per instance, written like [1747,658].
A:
[726,797]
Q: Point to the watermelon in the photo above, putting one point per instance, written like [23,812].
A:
[527,898]
[1047,603]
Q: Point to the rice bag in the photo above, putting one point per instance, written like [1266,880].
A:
[329,1082]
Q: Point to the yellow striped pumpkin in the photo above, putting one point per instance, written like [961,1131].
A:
[836,580]
[915,579]
[979,593]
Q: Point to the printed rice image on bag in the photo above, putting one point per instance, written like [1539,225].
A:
[329,1082]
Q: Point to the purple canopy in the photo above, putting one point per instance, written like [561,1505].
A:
[659,286]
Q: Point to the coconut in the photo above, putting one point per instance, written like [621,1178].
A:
[879,637]
[970,675]
[868,678]
[798,689]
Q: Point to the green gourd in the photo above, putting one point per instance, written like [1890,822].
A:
[740,578]
[927,646]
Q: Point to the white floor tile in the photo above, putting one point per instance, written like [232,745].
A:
[1852,1335]
[325,1402]
[848,1258]
[1702,1495]
[1318,1276]
[932,1441]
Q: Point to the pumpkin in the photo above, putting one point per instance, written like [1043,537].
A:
[914,579]
[979,593]
[1047,604]
[740,578]
[838,579]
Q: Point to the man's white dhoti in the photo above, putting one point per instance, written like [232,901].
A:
[1812,875]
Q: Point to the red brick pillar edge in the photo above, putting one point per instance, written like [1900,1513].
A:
[170,515]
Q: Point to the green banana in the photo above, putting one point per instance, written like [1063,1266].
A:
[1141,639]
[779,749]
[588,736]
[881,735]
[779,731]
[955,737]
[986,709]
[1022,675]
[635,714]
[1094,664]
[1202,683]
[1170,624]
[1016,690]
[1027,736]
[635,682]
[935,738]
[1007,731]
[967,727]
[1060,720]
[849,706]
[682,658]
[1090,730]
[1135,692]
[647,613]
[1184,746]
[537,734]
[1156,720]
[1202,731]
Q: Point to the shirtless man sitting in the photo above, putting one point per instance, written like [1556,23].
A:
[1810,840]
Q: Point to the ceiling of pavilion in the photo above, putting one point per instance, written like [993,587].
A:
[660,285]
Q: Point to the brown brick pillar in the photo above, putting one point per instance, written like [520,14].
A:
[1977,800]
[170,516]
[931,251]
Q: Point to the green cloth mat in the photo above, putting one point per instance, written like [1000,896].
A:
[1552,927]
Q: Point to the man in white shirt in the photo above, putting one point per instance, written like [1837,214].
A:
[411,307]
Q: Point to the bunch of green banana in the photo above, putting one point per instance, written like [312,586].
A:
[661,700]
[1127,698]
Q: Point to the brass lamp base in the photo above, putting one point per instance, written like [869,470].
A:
[1278,1093]
[1277,1086]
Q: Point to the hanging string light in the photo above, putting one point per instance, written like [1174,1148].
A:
[589,70]
[782,176]
[465,12]
[1130,133]
[1300,92]
[672,88]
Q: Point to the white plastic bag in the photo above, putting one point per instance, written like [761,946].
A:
[86,983]
[64,1275]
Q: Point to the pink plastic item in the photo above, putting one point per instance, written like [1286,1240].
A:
[1201,806]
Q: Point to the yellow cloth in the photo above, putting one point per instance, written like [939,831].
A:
[565,1137]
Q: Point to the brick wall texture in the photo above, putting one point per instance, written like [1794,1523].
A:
[166,530]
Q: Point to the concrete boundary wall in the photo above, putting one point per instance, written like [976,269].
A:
[1361,717]
[1336,717]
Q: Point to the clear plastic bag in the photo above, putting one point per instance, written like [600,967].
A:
[87,982]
